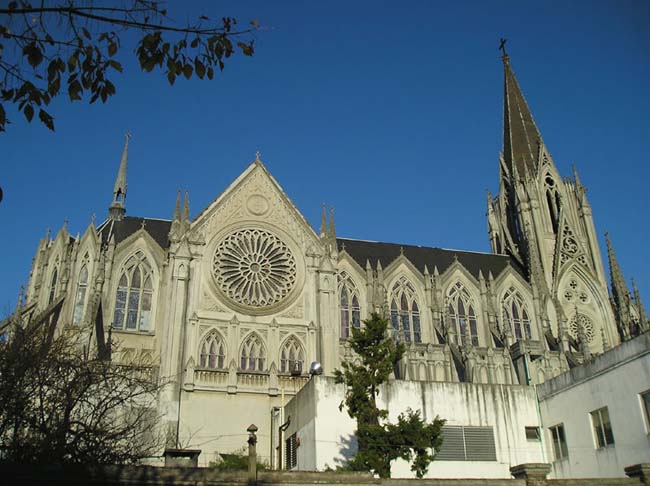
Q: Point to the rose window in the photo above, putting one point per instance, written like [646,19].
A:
[581,321]
[254,267]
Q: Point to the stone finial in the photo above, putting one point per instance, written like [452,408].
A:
[257,156]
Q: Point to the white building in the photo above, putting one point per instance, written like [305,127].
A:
[228,304]
[597,415]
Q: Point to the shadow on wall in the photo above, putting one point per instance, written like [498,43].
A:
[348,449]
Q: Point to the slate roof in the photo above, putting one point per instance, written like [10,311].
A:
[157,228]
[520,134]
[420,256]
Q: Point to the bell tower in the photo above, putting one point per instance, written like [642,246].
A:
[545,223]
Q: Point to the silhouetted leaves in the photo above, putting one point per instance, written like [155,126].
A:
[73,47]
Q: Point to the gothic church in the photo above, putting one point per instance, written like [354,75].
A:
[233,305]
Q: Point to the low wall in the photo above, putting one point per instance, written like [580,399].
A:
[172,476]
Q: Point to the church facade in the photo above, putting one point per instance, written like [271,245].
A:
[232,306]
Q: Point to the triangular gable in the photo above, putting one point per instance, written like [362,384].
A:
[255,195]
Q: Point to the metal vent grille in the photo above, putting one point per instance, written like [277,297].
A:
[467,444]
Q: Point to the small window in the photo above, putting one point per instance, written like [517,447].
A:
[560,449]
[602,427]
[291,457]
[532,433]
[645,404]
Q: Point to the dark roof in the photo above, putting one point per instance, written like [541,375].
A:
[157,228]
[521,137]
[420,256]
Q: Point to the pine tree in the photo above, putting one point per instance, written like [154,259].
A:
[380,442]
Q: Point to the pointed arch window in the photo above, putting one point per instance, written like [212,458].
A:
[405,312]
[552,202]
[53,283]
[80,297]
[516,315]
[213,352]
[292,357]
[134,295]
[253,354]
[349,305]
[462,314]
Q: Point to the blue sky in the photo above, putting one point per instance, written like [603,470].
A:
[389,111]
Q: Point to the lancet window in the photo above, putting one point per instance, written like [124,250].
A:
[405,312]
[349,305]
[292,357]
[213,352]
[515,314]
[80,298]
[53,283]
[462,314]
[552,202]
[134,295]
[253,354]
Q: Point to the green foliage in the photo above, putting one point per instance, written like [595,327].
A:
[236,461]
[379,442]
[73,45]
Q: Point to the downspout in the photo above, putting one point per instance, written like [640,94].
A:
[282,429]
[537,407]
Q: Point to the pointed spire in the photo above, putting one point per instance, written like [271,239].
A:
[118,207]
[639,306]
[620,293]
[323,222]
[521,138]
[436,273]
[186,211]
[332,228]
[175,231]
[576,177]
[177,208]
[426,270]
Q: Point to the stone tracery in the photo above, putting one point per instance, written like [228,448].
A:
[254,267]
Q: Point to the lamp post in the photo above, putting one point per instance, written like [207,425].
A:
[252,455]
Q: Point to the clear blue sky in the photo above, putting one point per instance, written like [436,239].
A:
[389,111]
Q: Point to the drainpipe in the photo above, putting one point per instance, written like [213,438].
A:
[281,430]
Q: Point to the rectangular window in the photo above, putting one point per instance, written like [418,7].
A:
[290,456]
[467,444]
[560,449]
[532,433]
[645,405]
[602,427]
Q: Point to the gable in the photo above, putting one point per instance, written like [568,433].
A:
[255,197]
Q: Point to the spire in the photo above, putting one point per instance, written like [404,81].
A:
[639,306]
[175,231]
[521,138]
[332,228]
[118,207]
[323,222]
[620,293]
[186,211]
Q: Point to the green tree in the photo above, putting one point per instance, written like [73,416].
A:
[380,442]
[73,45]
